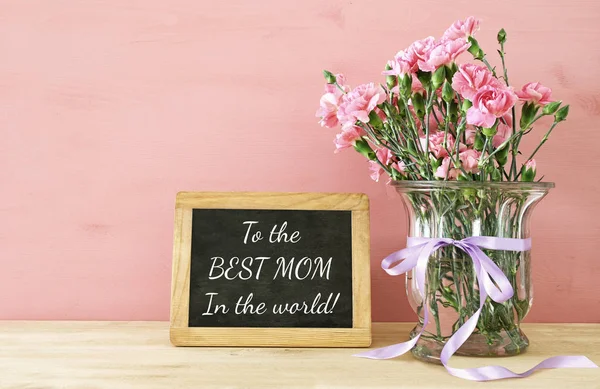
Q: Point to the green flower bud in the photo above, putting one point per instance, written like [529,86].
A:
[561,114]
[475,50]
[496,175]
[479,142]
[438,77]
[374,120]
[329,77]
[528,171]
[551,108]
[447,92]
[450,70]
[466,104]
[502,156]
[453,111]
[391,81]
[362,146]
[418,104]
[425,78]
[501,36]
[528,114]
[489,132]
[406,85]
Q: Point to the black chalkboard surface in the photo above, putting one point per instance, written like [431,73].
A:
[271,269]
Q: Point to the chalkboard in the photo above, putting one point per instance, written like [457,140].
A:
[271,269]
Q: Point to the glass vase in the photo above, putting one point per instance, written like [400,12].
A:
[456,210]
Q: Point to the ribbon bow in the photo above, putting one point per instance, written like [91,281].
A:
[492,282]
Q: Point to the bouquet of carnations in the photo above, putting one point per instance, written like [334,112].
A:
[448,136]
[434,119]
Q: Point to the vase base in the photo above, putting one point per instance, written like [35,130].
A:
[504,344]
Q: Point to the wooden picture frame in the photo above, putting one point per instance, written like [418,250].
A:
[357,336]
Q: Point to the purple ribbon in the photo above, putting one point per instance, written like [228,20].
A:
[492,282]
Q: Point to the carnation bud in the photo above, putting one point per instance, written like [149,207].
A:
[478,142]
[418,104]
[475,50]
[406,85]
[329,77]
[447,92]
[528,171]
[496,175]
[489,132]
[551,108]
[450,70]
[527,114]
[453,111]
[561,114]
[425,78]
[362,146]
[466,104]
[438,77]
[391,81]
[374,120]
[501,36]
[502,156]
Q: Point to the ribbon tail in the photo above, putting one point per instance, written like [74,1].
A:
[389,352]
[490,373]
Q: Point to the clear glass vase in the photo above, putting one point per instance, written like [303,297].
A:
[457,210]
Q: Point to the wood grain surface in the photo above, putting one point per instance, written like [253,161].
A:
[128,355]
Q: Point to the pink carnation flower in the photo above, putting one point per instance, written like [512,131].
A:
[504,132]
[357,104]
[376,171]
[536,93]
[446,168]
[444,53]
[469,160]
[422,49]
[400,167]
[436,144]
[348,137]
[490,103]
[405,62]
[330,101]
[384,155]
[462,29]
[470,78]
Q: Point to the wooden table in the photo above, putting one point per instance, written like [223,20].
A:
[138,355]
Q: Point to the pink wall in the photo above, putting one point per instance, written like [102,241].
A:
[108,108]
